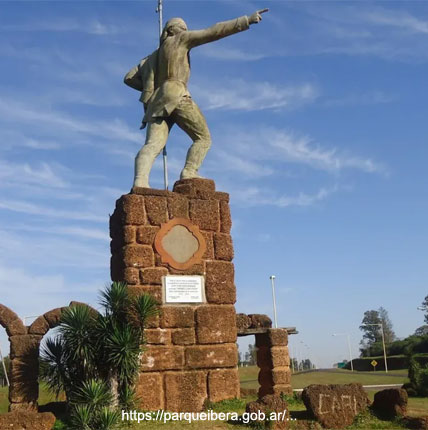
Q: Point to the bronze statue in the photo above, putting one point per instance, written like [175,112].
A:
[162,79]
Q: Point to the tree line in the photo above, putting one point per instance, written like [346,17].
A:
[374,321]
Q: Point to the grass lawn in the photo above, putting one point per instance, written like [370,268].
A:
[249,374]
[44,397]
[417,406]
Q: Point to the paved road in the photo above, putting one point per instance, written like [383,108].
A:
[366,387]
[377,373]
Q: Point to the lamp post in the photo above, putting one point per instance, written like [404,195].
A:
[383,344]
[272,278]
[349,347]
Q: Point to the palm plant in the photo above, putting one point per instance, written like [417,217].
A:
[95,357]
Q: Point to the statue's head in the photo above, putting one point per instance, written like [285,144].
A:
[173,27]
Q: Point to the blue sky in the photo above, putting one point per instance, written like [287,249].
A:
[319,123]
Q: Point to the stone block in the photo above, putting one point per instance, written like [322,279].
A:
[7,316]
[146,234]
[156,209]
[187,391]
[278,337]
[21,419]
[205,214]
[178,206]
[157,336]
[23,376]
[153,275]
[150,391]
[243,322]
[216,324]
[183,336]
[115,223]
[264,359]
[131,275]
[281,375]
[265,378]
[25,347]
[273,337]
[191,187]
[283,389]
[138,256]
[390,403]
[219,282]
[268,404]
[280,356]
[196,269]
[117,267]
[39,326]
[209,241]
[16,328]
[223,384]
[159,357]
[153,322]
[131,209]
[154,290]
[260,321]
[22,407]
[225,217]
[223,246]
[150,192]
[177,317]
[335,406]
[211,356]
[129,234]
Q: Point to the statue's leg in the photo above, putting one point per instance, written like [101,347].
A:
[191,120]
[156,137]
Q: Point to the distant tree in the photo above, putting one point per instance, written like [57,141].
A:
[252,355]
[387,325]
[372,332]
[372,337]
[422,330]
[425,305]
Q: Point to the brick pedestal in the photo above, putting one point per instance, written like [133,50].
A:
[191,353]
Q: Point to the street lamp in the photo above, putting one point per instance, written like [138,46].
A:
[272,278]
[349,347]
[383,344]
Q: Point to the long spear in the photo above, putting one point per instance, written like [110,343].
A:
[159,10]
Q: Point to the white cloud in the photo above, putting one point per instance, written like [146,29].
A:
[285,146]
[52,119]
[43,174]
[64,25]
[400,19]
[257,196]
[369,98]
[237,94]
[34,209]
[229,54]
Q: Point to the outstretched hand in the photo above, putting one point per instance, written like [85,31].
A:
[256,17]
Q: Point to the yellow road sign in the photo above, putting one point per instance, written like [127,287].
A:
[374,363]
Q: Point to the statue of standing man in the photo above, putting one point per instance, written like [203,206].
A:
[162,79]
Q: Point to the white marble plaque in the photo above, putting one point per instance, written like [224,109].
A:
[183,289]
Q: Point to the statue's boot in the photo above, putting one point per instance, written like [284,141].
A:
[194,159]
[143,164]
